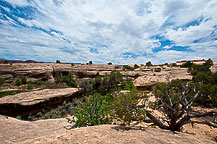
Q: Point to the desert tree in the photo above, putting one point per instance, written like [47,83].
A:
[175,101]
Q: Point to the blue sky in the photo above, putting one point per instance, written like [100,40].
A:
[117,31]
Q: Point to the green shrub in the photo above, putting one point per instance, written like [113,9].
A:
[68,79]
[188,64]
[90,62]
[126,108]
[58,61]
[24,80]
[72,64]
[128,85]
[5,62]
[12,92]
[174,65]
[136,66]
[110,63]
[149,63]
[2,80]
[126,67]
[18,82]
[94,111]
[101,85]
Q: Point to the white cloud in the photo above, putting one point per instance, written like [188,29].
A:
[18,2]
[68,29]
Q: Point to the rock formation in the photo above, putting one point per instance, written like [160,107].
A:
[35,101]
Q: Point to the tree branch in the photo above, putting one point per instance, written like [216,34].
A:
[156,121]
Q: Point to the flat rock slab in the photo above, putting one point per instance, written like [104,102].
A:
[33,102]
[13,130]
[53,132]
[113,134]
[34,97]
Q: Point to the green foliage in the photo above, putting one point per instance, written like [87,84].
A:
[68,79]
[90,62]
[94,111]
[188,64]
[126,108]
[35,84]
[72,64]
[58,61]
[149,63]
[5,62]
[110,63]
[24,80]
[207,81]
[128,85]
[2,80]
[21,81]
[101,85]
[18,82]
[126,67]
[174,65]
[13,92]
[136,66]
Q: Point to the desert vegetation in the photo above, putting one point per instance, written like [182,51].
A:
[112,97]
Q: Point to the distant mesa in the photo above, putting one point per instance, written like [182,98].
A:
[19,61]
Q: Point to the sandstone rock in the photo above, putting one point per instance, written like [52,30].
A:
[34,101]
[165,75]
[113,134]
[53,131]
[13,130]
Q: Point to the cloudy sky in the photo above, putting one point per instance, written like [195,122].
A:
[120,31]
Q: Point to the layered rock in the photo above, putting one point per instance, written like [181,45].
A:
[165,75]
[35,101]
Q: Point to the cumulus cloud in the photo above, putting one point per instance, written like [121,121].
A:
[107,30]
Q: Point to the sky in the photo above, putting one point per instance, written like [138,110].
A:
[117,31]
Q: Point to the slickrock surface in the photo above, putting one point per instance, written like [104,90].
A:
[166,75]
[110,134]
[13,130]
[35,101]
[34,97]
[53,132]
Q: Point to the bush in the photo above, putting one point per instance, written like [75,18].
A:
[72,64]
[136,66]
[126,67]
[18,82]
[2,80]
[94,111]
[188,64]
[110,63]
[126,108]
[5,62]
[58,61]
[24,80]
[174,65]
[101,85]
[90,62]
[68,79]
[149,63]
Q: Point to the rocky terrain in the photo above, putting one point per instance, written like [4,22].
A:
[35,101]
[143,76]
[53,131]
